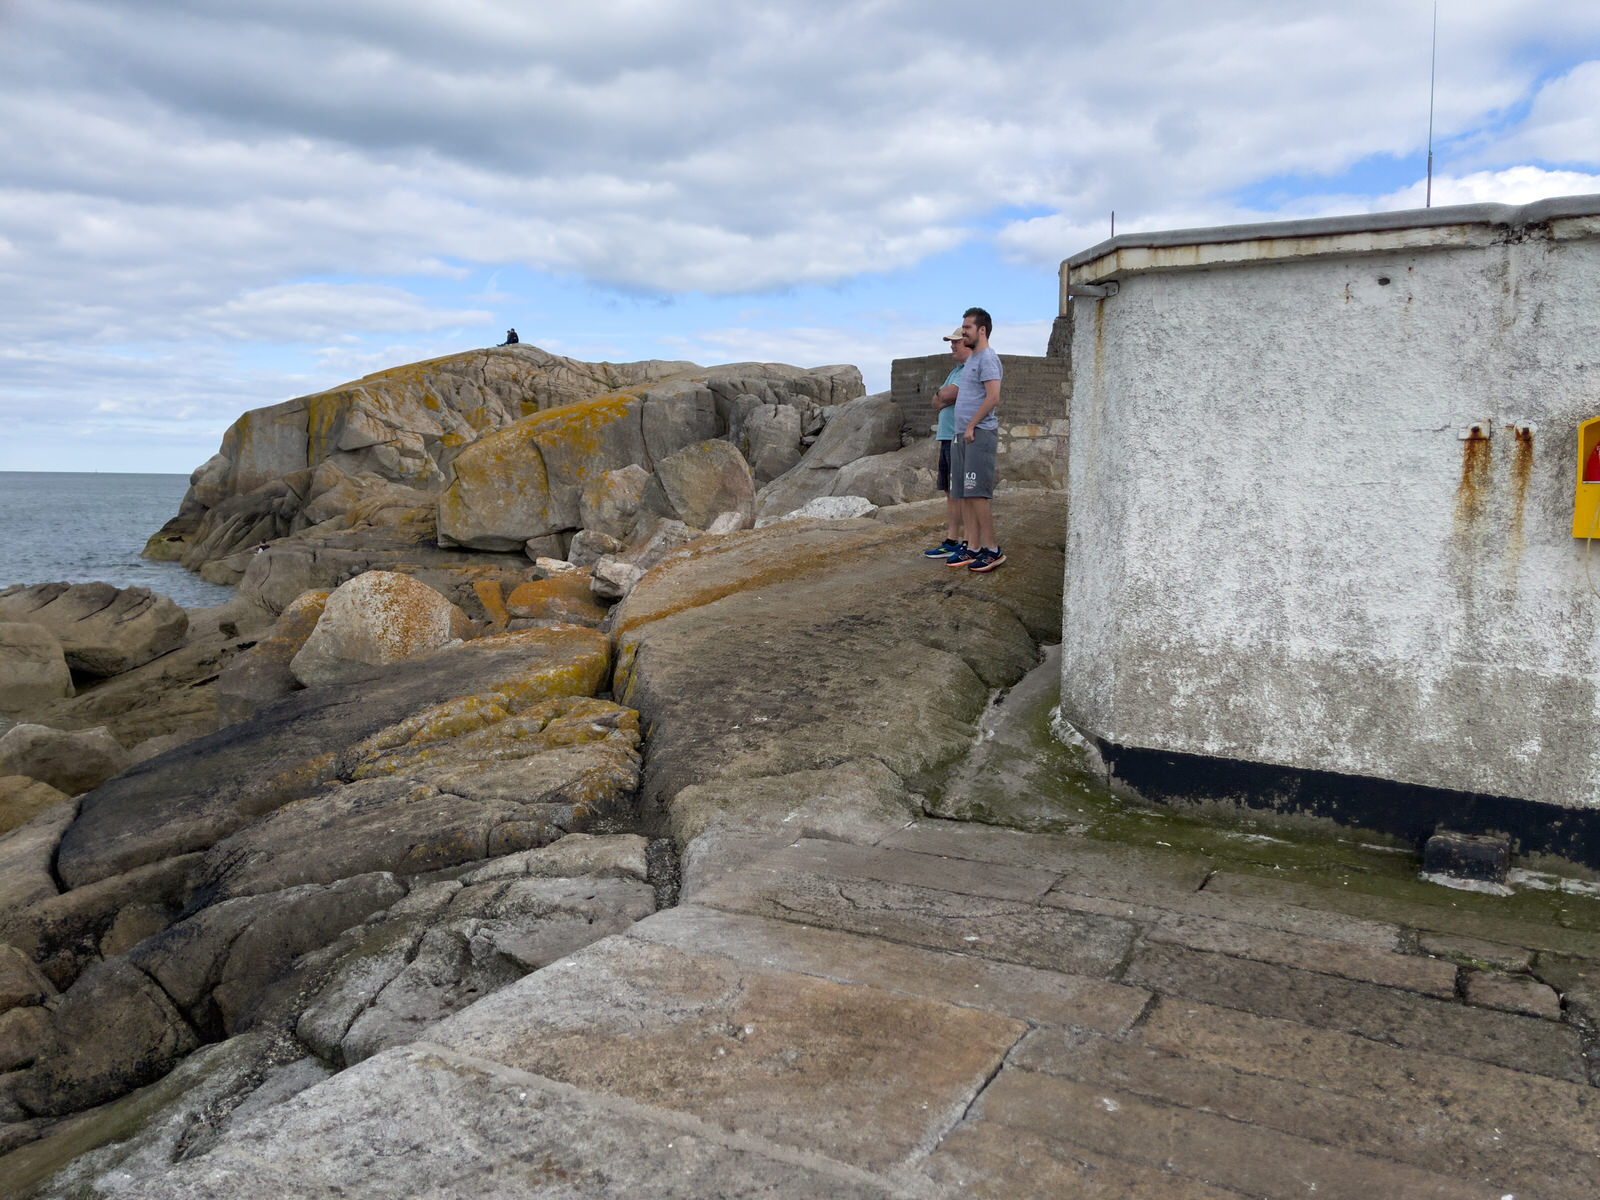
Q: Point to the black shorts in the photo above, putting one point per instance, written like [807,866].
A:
[944,467]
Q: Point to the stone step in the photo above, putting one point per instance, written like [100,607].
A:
[1005,930]
[866,1077]
[1383,1014]
[1447,1139]
[1513,1103]
[1026,993]
[1205,1146]
[990,1161]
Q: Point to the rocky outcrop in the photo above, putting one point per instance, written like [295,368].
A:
[376,454]
[882,664]
[403,425]
[595,464]
[376,619]
[864,427]
[103,630]
[239,879]
[525,481]
[33,668]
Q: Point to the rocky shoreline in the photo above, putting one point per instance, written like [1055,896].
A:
[463,716]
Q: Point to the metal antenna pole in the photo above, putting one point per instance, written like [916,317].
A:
[1432,69]
[1113,222]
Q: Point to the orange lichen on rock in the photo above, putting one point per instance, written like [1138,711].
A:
[563,597]
[494,605]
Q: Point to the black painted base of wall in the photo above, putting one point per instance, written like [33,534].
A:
[1399,809]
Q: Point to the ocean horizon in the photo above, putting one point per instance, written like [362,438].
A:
[89,526]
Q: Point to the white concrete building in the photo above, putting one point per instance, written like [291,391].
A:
[1321,479]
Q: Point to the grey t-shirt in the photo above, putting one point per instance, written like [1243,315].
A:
[984,365]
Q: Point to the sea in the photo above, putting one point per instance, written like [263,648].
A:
[82,527]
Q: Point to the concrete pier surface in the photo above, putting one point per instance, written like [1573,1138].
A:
[1113,1001]
[957,1010]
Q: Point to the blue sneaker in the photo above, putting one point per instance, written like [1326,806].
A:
[961,557]
[944,549]
[987,560]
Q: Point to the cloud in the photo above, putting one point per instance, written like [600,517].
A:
[188,184]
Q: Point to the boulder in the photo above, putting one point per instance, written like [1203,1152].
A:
[263,672]
[677,415]
[72,761]
[700,481]
[376,619]
[112,1031]
[654,541]
[565,597]
[525,481]
[22,798]
[610,504]
[449,944]
[613,578]
[899,477]
[828,508]
[868,426]
[770,439]
[32,667]
[589,546]
[21,983]
[103,630]
[27,858]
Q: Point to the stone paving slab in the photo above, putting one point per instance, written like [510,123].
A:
[1513,1103]
[889,865]
[1105,869]
[862,1075]
[425,1123]
[1006,930]
[1206,1147]
[1095,876]
[990,1161]
[1323,955]
[1383,1014]
[1026,993]
[1444,1139]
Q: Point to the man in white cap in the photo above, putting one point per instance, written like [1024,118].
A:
[944,401]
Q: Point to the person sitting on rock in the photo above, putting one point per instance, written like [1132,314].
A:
[511,338]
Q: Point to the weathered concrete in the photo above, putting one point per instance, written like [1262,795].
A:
[1287,545]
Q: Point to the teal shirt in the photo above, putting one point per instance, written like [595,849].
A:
[947,414]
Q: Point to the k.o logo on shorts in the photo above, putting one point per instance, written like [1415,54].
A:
[971,481]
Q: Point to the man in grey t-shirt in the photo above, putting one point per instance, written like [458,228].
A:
[977,441]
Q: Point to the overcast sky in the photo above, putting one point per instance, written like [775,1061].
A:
[210,205]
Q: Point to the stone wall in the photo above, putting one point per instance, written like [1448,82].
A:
[1034,395]
[1288,545]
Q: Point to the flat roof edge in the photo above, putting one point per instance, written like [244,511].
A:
[1506,215]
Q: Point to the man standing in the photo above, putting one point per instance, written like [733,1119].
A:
[977,441]
[944,400]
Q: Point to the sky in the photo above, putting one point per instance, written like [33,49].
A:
[211,205]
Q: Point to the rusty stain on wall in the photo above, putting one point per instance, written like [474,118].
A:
[1521,472]
[1474,477]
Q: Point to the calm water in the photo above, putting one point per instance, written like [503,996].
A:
[81,528]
